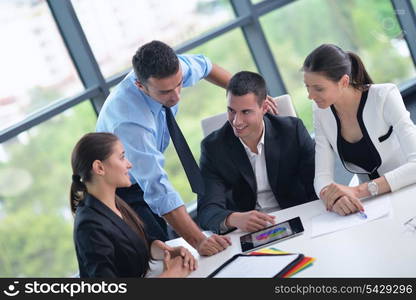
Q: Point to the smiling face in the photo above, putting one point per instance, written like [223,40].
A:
[166,90]
[246,116]
[116,167]
[323,91]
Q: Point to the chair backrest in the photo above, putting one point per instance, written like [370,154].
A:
[284,106]
[212,123]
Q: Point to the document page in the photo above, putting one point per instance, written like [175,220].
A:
[263,266]
[328,222]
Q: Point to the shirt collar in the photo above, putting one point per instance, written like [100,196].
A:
[259,145]
[155,106]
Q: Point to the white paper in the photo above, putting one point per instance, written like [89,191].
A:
[328,222]
[261,266]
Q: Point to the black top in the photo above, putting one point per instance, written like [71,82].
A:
[357,154]
[362,153]
[106,246]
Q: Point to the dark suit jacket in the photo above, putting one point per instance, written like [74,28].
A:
[105,245]
[230,184]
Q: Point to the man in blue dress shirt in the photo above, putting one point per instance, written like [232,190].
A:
[135,112]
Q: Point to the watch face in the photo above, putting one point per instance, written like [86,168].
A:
[372,188]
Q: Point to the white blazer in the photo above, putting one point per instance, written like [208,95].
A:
[383,109]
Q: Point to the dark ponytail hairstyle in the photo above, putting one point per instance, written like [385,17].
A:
[91,147]
[333,62]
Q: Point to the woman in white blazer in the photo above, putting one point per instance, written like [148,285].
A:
[365,124]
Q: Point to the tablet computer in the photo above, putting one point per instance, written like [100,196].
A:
[271,234]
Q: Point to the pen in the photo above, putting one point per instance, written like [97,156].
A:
[362,215]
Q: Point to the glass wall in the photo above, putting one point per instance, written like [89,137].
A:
[35,67]
[115,29]
[35,176]
[369,28]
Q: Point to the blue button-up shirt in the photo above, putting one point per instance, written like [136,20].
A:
[139,122]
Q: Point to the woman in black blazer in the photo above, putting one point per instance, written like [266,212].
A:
[110,239]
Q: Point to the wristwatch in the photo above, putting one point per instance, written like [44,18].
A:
[372,188]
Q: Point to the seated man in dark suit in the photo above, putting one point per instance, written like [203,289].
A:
[255,163]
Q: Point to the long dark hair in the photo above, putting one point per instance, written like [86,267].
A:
[333,62]
[91,147]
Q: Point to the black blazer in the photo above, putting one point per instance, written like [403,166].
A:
[105,245]
[230,184]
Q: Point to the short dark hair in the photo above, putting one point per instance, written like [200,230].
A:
[155,59]
[246,82]
[333,62]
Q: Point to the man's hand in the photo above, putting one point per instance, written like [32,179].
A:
[271,105]
[341,199]
[213,244]
[250,221]
[183,224]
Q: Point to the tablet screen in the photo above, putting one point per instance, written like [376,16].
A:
[271,234]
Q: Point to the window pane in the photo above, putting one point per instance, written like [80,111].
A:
[115,29]
[35,175]
[368,28]
[204,100]
[35,66]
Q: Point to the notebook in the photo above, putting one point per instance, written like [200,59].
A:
[257,266]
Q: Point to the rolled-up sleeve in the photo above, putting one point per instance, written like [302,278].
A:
[195,67]
[147,170]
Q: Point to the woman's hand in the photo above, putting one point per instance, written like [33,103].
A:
[174,267]
[341,199]
[188,259]
[159,248]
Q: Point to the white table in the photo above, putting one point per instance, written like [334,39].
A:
[380,248]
